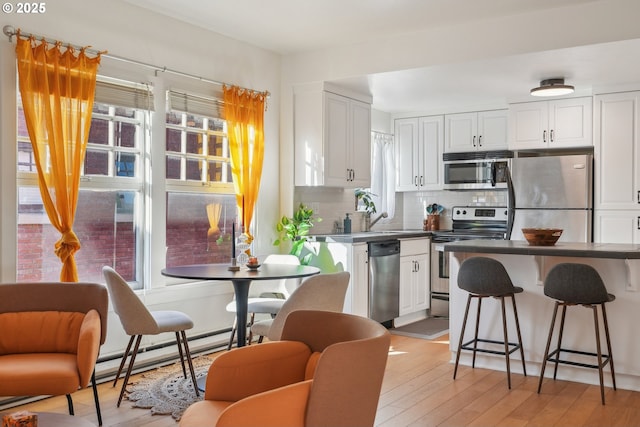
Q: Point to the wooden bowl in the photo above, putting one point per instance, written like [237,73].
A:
[542,236]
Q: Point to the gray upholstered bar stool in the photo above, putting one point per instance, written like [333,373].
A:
[572,284]
[487,278]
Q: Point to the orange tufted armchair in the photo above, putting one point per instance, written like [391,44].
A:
[50,337]
[326,371]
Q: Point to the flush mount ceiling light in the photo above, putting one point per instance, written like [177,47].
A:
[552,87]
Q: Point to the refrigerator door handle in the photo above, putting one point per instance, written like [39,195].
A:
[511,204]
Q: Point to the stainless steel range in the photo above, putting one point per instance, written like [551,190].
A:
[468,222]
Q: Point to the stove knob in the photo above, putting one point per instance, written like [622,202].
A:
[464,212]
[457,211]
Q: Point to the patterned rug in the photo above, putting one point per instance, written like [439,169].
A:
[165,390]
[428,329]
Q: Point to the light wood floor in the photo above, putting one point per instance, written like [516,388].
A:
[418,390]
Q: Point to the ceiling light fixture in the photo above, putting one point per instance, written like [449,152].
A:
[552,87]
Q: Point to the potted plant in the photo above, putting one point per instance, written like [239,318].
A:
[296,229]
[364,196]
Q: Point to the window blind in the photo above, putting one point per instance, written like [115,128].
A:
[195,104]
[124,94]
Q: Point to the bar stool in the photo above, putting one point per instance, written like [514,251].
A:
[572,284]
[487,278]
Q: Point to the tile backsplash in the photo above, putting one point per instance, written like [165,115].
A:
[331,204]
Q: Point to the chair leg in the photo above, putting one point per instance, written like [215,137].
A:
[70,404]
[251,320]
[188,355]
[506,342]
[515,315]
[233,333]
[546,351]
[560,335]
[606,333]
[95,397]
[184,370]
[464,325]
[596,326]
[475,341]
[129,369]
[124,359]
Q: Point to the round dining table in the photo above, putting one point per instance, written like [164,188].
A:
[241,281]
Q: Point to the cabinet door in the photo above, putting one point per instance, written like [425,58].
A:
[461,132]
[360,280]
[430,145]
[614,226]
[407,162]
[359,146]
[337,136]
[492,130]
[407,265]
[570,122]
[422,276]
[528,123]
[617,169]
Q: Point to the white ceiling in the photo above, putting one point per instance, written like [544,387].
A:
[323,24]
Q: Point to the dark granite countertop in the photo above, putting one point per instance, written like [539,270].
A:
[568,249]
[370,236]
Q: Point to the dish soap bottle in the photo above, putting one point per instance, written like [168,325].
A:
[347,225]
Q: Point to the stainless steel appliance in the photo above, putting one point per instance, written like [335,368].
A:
[384,280]
[468,222]
[552,190]
[478,170]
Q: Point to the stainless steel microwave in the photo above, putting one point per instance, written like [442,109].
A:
[478,170]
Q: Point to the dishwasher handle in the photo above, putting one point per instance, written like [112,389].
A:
[384,248]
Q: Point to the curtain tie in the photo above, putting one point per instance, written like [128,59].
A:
[67,246]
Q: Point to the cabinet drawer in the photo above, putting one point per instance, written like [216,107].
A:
[414,246]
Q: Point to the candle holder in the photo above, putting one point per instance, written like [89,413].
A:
[234,265]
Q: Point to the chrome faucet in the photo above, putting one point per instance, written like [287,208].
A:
[382,215]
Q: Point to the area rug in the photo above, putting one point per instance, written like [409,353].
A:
[165,390]
[428,329]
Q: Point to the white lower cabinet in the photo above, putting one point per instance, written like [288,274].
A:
[616,226]
[414,275]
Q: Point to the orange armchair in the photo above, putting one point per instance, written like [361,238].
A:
[326,371]
[51,337]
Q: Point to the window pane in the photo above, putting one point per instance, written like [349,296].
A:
[96,163]
[174,118]
[125,112]
[100,108]
[104,224]
[125,134]
[216,125]
[26,160]
[99,132]
[217,146]
[194,170]
[125,164]
[197,234]
[22,124]
[173,168]
[195,121]
[194,143]
[219,172]
[174,141]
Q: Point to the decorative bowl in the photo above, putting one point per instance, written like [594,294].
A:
[253,266]
[542,236]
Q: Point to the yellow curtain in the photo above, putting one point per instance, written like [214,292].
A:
[57,89]
[244,113]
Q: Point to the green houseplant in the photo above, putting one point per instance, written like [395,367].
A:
[365,196]
[296,229]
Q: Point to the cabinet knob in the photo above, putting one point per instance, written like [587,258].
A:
[480,141]
[474,140]
[544,136]
[551,135]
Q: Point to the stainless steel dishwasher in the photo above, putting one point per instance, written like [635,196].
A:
[384,280]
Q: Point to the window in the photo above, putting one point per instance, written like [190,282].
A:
[109,212]
[201,203]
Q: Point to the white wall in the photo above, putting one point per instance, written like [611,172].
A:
[127,31]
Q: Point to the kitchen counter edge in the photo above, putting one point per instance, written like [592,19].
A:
[568,249]
[370,236]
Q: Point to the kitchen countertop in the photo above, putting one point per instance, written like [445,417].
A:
[370,236]
[568,249]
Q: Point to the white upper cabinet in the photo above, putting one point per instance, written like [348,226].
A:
[419,143]
[617,145]
[483,130]
[551,124]
[332,135]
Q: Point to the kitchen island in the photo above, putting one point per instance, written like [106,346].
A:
[617,264]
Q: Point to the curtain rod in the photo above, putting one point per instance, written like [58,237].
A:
[10,32]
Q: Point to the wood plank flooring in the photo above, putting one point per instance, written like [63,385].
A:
[418,390]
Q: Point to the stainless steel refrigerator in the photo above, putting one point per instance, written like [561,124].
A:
[552,191]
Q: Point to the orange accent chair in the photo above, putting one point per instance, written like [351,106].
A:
[50,338]
[326,371]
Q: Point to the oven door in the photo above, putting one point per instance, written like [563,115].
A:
[439,281]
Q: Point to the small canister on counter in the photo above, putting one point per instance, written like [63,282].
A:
[431,222]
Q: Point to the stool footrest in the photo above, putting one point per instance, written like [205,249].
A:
[467,346]
[605,358]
